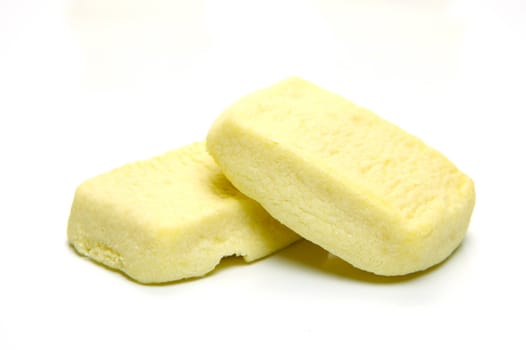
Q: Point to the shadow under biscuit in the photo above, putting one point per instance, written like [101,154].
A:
[310,256]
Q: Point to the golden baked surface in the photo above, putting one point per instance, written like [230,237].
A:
[344,178]
[170,217]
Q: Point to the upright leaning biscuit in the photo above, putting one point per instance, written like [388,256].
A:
[343,178]
[171,217]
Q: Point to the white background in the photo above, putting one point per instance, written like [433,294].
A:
[88,85]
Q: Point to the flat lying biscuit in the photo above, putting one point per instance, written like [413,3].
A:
[171,217]
[343,178]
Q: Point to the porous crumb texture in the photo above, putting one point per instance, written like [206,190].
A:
[171,217]
[344,178]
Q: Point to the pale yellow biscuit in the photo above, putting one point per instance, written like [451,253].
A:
[171,217]
[344,178]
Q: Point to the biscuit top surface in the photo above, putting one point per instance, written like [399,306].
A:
[373,157]
[178,186]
